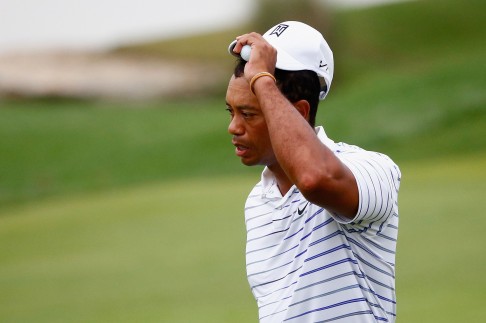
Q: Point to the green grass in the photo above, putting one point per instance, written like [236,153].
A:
[407,35]
[430,111]
[56,147]
[441,260]
[62,147]
[171,252]
[410,82]
[174,251]
[106,215]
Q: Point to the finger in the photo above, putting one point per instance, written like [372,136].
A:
[240,42]
[231,48]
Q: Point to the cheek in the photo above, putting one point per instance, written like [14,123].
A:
[258,130]
[262,138]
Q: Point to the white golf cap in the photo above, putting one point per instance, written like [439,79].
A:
[301,47]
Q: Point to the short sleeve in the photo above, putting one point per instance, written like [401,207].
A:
[378,180]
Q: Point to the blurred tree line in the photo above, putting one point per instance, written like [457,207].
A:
[311,12]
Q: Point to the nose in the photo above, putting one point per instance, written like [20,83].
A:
[235,127]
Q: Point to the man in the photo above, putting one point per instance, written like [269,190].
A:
[322,222]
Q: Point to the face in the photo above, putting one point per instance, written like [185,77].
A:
[247,125]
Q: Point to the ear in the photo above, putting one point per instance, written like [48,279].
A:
[304,108]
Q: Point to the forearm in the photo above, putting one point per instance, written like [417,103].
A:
[298,150]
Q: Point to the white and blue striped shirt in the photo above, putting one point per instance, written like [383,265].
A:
[305,264]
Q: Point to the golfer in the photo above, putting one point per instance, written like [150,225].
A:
[322,222]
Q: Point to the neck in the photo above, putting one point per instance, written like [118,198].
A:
[283,182]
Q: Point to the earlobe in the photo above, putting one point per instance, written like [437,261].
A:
[304,108]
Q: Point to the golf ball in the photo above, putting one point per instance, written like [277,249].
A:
[245,52]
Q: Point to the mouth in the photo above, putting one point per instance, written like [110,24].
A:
[241,150]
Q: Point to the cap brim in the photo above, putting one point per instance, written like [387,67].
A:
[231,47]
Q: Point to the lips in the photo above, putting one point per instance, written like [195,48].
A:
[241,149]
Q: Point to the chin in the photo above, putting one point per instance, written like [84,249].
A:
[250,162]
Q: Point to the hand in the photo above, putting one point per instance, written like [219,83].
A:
[263,55]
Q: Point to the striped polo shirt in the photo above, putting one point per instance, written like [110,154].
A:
[305,264]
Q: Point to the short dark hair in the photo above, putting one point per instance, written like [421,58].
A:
[294,85]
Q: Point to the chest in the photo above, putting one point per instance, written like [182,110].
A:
[280,237]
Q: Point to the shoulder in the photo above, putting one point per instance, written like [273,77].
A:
[356,157]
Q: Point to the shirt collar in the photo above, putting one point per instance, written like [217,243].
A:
[321,134]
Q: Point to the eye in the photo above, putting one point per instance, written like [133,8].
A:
[229,110]
[247,115]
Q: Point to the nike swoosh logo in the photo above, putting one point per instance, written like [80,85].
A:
[322,65]
[303,209]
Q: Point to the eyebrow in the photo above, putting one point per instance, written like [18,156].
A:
[242,107]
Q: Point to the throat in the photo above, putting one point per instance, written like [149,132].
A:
[283,182]
[283,188]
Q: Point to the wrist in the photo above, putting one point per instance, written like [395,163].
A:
[261,76]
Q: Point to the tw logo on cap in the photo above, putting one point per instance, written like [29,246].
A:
[278,30]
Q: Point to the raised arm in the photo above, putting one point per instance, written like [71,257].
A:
[321,177]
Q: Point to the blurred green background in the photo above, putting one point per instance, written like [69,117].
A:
[133,211]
